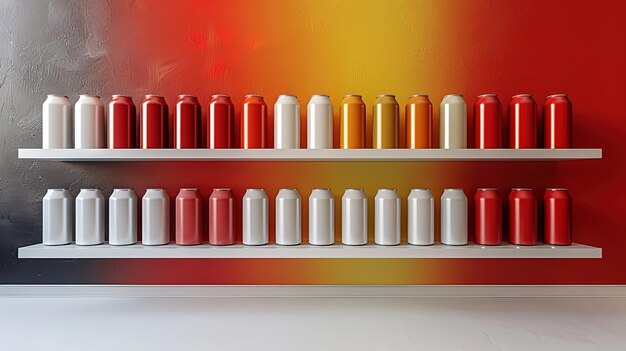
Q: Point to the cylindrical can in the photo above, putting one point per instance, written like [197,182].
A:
[188,122]
[557,122]
[288,217]
[522,217]
[89,217]
[254,217]
[153,123]
[453,122]
[453,217]
[421,217]
[557,217]
[487,122]
[487,217]
[56,122]
[387,217]
[155,217]
[121,123]
[253,122]
[221,123]
[122,217]
[385,122]
[419,122]
[57,217]
[88,123]
[321,217]
[352,128]
[287,122]
[189,217]
[222,217]
[354,217]
[320,122]
[522,122]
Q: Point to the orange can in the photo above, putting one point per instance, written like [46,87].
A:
[419,122]
[352,128]
[385,122]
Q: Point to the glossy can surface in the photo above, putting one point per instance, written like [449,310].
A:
[153,123]
[320,123]
[522,122]
[255,222]
[385,122]
[421,217]
[155,217]
[222,217]
[522,217]
[288,217]
[254,123]
[89,123]
[189,217]
[352,119]
[56,123]
[57,225]
[557,122]
[387,217]
[487,122]
[122,121]
[221,123]
[188,122]
[557,217]
[453,217]
[89,217]
[321,217]
[487,217]
[419,122]
[453,122]
[354,217]
[287,122]
[122,217]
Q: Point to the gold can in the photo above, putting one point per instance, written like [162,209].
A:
[385,122]
[419,122]
[352,127]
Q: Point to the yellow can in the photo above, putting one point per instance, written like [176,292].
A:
[352,127]
[386,122]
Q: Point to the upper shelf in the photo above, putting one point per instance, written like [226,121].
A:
[309,155]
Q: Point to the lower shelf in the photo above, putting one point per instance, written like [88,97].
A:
[309,251]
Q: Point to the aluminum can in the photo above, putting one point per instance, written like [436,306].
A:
[57,217]
[522,217]
[89,123]
[255,221]
[385,122]
[155,217]
[89,217]
[522,122]
[189,217]
[354,217]
[487,122]
[387,217]
[419,122]
[254,123]
[557,217]
[122,121]
[421,217]
[453,122]
[288,217]
[56,122]
[352,128]
[222,217]
[287,122]
[453,217]
[122,217]
[557,122]
[188,122]
[221,123]
[487,217]
[320,122]
[321,217]
[153,124]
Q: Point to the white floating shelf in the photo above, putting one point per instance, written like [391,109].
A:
[309,155]
[309,251]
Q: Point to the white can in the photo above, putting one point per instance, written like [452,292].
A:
[319,122]
[57,217]
[56,123]
[288,217]
[453,217]
[387,217]
[155,217]
[453,122]
[122,217]
[354,217]
[321,217]
[421,217]
[255,215]
[88,123]
[89,217]
[287,122]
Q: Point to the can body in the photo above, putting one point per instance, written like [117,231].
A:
[254,123]
[155,217]
[56,123]
[288,217]
[522,122]
[122,217]
[321,217]
[222,217]
[89,217]
[88,123]
[487,217]
[487,122]
[320,123]
[522,217]
[453,122]
[189,217]
[153,124]
[385,122]
[387,217]
[221,123]
[255,213]
[57,217]
[122,121]
[188,122]
[419,122]
[352,119]
[557,217]
[453,217]
[421,217]
[354,217]
[287,122]
[557,122]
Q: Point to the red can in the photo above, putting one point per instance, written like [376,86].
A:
[522,217]
[188,122]
[557,122]
[222,217]
[121,123]
[487,217]
[189,217]
[221,123]
[153,123]
[522,122]
[253,123]
[487,122]
[557,217]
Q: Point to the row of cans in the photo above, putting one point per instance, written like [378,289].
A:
[118,130]
[90,228]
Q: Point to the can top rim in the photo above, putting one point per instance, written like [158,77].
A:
[290,189]
[360,189]
[483,189]
[220,95]
[384,95]
[221,189]
[454,189]
[120,95]
[155,189]
[154,95]
[445,96]
[420,189]
[348,95]
[321,189]
[287,95]
[89,189]
[261,189]
[416,95]
[188,95]
[58,189]
[487,95]
[324,95]
[89,95]
[556,189]
[556,95]
[388,189]
[522,189]
[523,95]
[254,95]
[122,189]
[188,189]
[57,95]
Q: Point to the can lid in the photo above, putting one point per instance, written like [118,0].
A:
[56,95]
[287,95]
[255,189]
[523,95]
[383,95]
[120,95]
[416,95]
[323,95]
[420,189]
[487,95]
[321,189]
[361,189]
[521,189]
[221,189]
[187,95]
[220,95]
[388,189]
[487,189]
[556,95]
[289,189]
[445,96]
[254,95]
[347,95]
[455,189]
[154,95]
[188,189]
[556,189]
[89,189]
[122,189]
[89,95]
[155,189]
